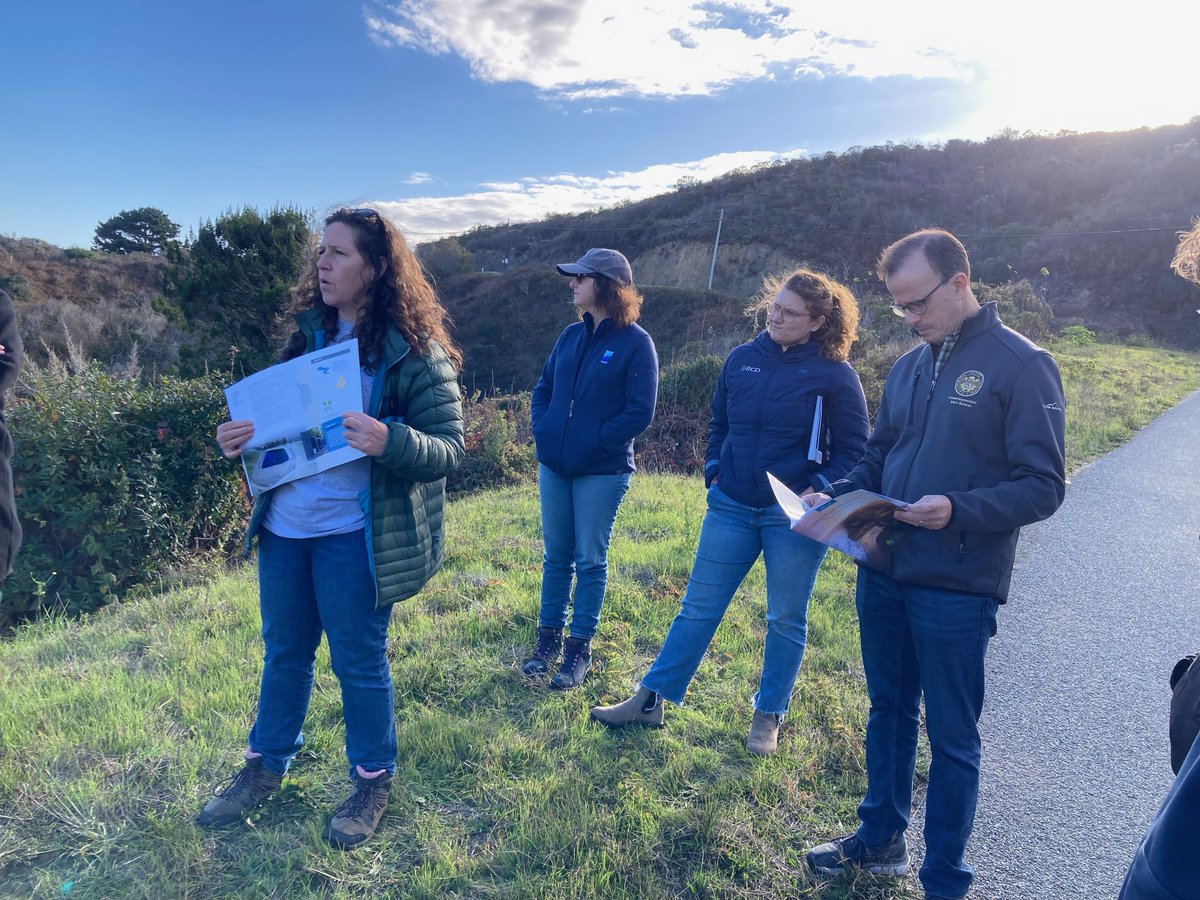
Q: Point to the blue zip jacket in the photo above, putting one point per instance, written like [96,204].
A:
[762,416]
[988,435]
[596,394]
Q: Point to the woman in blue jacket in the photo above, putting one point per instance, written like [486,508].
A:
[595,395]
[763,414]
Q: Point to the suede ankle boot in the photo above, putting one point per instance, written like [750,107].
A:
[643,708]
[764,733]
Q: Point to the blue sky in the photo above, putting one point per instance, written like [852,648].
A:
[453,113]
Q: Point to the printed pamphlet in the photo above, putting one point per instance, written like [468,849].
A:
[296,407]
[861,524]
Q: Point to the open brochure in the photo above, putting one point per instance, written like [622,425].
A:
[860,524]
[296,407]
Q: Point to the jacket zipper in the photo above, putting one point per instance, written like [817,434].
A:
[924,423]
[587,347]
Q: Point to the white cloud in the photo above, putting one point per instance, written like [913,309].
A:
[583,49]
[418,178]
[428,218]
[1031,63]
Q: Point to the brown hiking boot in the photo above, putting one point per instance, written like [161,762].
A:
[643,708]
[237,795]
[764,733]
[577,660]
[356,819]
[547,652]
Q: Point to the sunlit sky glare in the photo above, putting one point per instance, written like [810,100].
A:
[454,113]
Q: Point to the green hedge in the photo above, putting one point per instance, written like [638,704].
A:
[118,482]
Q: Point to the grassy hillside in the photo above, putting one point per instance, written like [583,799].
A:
[120,724]
[113,729]
[1089,219]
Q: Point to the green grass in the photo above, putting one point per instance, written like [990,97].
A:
[1113,391]
[114,728]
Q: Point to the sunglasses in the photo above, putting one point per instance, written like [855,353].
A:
[364,213]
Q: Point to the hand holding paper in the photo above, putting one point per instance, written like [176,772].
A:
[861,524]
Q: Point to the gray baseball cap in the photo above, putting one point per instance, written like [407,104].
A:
[599,261]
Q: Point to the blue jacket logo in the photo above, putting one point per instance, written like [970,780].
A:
[750,369]
[608,354]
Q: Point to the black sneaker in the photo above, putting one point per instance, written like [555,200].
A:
[547,652]
[237,795]
[577,660]
[834,857]
[358,817]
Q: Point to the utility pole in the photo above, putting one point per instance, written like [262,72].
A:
[716,244]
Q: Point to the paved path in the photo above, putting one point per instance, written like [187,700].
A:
[1105,599]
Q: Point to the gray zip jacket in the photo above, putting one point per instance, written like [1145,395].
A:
[988,434]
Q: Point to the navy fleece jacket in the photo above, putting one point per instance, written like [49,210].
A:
[596,394]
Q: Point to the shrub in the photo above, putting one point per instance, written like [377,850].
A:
[499,442]
[116,481]
[1021,308]
[677,439]
[15,285]
[1077,335]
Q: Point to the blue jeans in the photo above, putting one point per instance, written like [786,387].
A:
[577,521]
[731,539]
[916,640]
[306,586]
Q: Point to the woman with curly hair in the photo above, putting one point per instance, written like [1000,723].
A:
[596,394]
[763,414]
[338,548]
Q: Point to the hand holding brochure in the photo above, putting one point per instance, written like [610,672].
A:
[297,408]
[860,524]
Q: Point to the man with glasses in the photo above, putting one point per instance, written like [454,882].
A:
[969,433]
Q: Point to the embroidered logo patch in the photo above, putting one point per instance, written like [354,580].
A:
[608,354]
[969,383]
[750,369]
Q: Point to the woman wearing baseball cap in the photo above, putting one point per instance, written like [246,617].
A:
[596,394]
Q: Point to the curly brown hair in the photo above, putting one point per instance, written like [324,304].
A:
[400,295]
[1187,255]
[822,296]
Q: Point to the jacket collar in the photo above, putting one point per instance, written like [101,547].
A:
[395,347]
[983,321]
[589,322]
[767,346]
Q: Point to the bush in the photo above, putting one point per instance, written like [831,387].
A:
[116,482]
[1021,308]
[1077,335]
[499,442]
[677,439]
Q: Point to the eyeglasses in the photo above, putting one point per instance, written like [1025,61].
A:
[788,315]
[578,279]
[916,307]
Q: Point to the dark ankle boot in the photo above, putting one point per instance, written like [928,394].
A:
[577,659]
[547,652]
